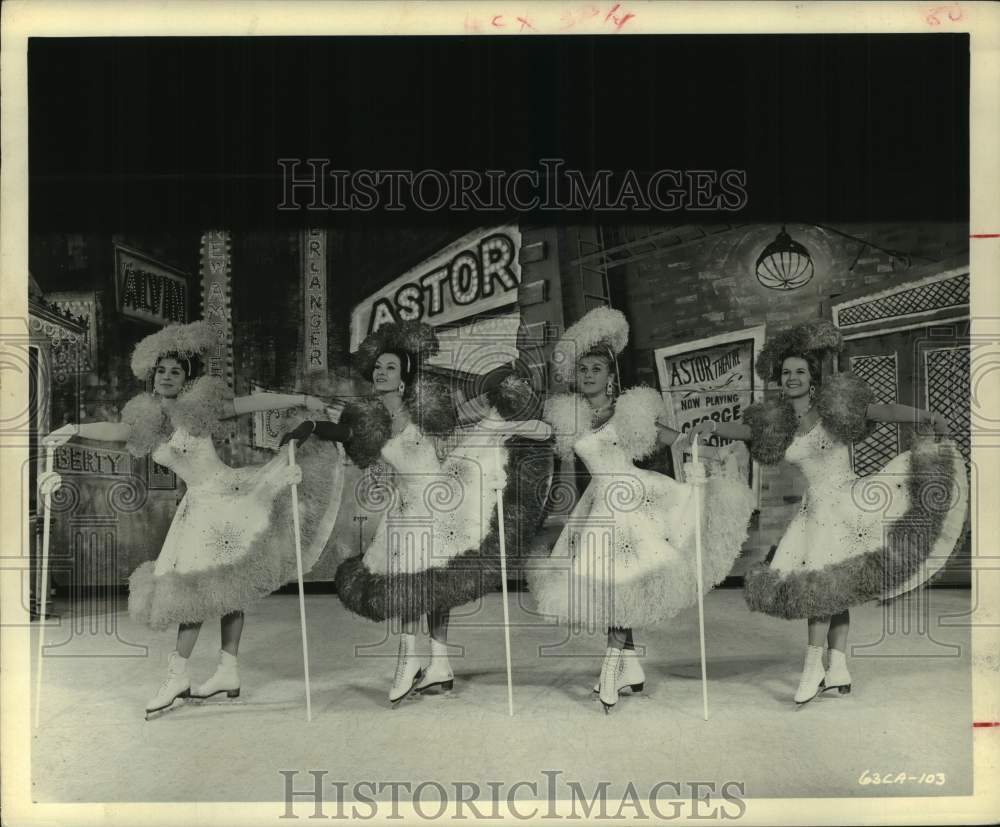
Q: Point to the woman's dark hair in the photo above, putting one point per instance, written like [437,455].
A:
[191,364]
[813,362]
[407,365]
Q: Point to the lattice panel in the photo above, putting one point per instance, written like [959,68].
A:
[953,292]
[948,391]
[870,455]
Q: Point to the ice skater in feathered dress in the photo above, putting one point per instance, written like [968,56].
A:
[230,541]
[854,539]
[437,545]
[626,557]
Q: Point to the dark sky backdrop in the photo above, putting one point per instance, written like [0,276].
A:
[158,133]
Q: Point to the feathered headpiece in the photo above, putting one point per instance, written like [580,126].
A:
[816,337]
[602,329]
[416,339]
[181,340]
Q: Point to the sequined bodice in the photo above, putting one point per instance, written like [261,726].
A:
[602,453]
[192,458]
[413,456]
[824,461]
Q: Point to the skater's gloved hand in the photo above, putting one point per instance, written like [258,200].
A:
[289,475]
[682,444]
[694,472]
[48,483]
[497,479]
[705,428]
[60,436]
[314,403]
[939,424]
[300,433]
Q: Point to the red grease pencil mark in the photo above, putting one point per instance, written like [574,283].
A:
[591,16]
[954,14]
[985,235]
[984,724]
[618,21]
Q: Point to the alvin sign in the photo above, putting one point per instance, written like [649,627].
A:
[148,290]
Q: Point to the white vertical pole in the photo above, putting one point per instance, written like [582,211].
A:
[302,596]
[503,587]
[701,584]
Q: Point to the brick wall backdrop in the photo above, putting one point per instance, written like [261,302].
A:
[709,287]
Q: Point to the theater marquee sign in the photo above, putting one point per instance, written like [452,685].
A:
[478,273]
[149,290]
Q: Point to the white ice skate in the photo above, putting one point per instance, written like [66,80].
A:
[226,679]
[812,676]
[630,676]
[437,677]
[609,678]
[837,677]
[408,670]
[176,686]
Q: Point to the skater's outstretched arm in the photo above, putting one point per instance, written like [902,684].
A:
[328,431]
[906,415]
[670,436]
[275,402]
[725,430]
[99,431]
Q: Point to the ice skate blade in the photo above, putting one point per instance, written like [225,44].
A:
[842,689]
[800,704]
[437,688]
[230,693]
[151,714]
[634,687]
[395,702]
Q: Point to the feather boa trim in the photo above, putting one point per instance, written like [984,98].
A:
[467,576]
[429,403]
[867,576]
[199,410]
[160,601]
[431,406]
[842,405]
[371,428]
[772,428]
[571,418]
[634,419]
[514,398]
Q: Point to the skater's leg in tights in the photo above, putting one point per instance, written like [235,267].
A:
[232,630]
[819,627]
[840,624]
[410,627]
[617,637]
[187,636]
[438,622]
